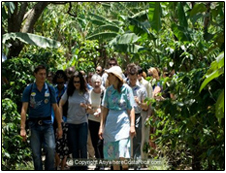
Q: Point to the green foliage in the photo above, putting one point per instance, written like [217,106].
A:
[18,72]
[14,151]
[87,56]
[183,36]
[7,9]
[216,69]
[155,13]
[160,164]
[25,166]
[188,123]
[31,39]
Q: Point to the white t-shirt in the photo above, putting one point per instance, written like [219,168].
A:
[95,101]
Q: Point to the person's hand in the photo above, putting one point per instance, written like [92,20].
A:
[132,131]
[83,105]
[97,113]
[23,134]
[100,133]
[136,99]
[59,132]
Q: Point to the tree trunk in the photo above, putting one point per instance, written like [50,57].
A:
[33,16]
[207,19]
[15,21]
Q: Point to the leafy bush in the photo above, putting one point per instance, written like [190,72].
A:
[14,151]
[187,129]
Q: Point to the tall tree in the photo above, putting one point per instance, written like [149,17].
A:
[20,17]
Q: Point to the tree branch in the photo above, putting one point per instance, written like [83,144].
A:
[33,16]
[207,19]
[69,11]
[13,25]
[58,3]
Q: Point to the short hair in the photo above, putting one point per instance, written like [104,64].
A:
[39,67]
[132,69]
[113,59]
[96,77]
[70,70]
[59,74]
[90,74]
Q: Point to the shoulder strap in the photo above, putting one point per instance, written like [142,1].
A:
[30,89]
[30,93]
[50,91]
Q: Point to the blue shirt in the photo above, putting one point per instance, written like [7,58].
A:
[118,101]
[40,103]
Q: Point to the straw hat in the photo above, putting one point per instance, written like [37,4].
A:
[117,71]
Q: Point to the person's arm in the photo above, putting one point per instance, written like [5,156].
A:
[58,118]
[61,104]
[143,105]
[104,112]
[132,122]
[23,120]
[131,111]
[156,91]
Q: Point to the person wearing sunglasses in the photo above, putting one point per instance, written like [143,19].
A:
[69,72]
[78,103]
[111,62]
[99,70]
[62,150]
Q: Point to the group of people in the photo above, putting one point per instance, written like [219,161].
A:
[102,114]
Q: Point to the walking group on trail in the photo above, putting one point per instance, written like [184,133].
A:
[97,116]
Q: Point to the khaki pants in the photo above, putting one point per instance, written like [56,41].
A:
[145,134]
[90,149]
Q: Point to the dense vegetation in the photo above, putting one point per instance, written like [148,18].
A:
[185,36]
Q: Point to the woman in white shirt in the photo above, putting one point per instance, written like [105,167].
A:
[95,95]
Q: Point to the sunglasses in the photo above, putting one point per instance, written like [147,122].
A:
[150,74]
[112,64]
[76,81]
[98,70]
[167,74]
